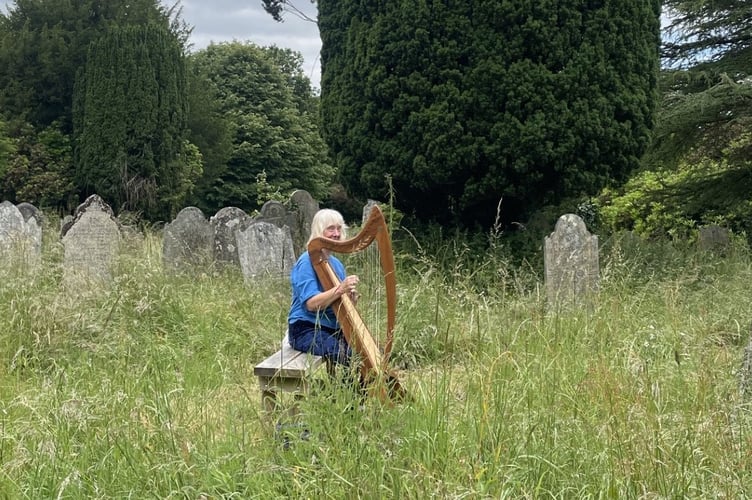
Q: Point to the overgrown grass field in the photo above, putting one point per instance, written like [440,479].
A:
[145,388]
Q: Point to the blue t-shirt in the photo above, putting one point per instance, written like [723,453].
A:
[305,284]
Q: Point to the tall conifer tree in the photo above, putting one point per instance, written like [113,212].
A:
[463,103]
[130,119]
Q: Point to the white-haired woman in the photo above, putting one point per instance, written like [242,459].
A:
[312,325]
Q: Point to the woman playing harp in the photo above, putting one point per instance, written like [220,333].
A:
[336,335]
[312,323]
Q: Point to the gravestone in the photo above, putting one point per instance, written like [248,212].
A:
[225,225]
[188,242]
[302,209]
[15,245]
[367,210]
[33,229]
[570,262]
[713,238]
[273,212]
[91,242]
[265,249]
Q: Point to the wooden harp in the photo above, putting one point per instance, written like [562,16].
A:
[374,358]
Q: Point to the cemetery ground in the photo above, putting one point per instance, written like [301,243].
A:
[145,388]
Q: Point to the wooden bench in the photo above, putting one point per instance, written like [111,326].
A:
[287,370]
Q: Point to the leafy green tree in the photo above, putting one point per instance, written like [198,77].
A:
[130,120]
[464,103]
[38,168]
[210,130]
[701,144]
[7,148]
[272,129]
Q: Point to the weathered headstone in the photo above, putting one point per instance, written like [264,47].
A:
[302,209]
[570,262]
[225,225]
[91,243]
[274,212]
[33,229]
[367,209]
[14,239]
[265,249]
[713,238]
[188,241]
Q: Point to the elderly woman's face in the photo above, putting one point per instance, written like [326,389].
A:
[333,231]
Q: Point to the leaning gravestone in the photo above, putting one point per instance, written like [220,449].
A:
[570,261]
[91,244]
[188,242]
[225,225]
[265,249]
[302,209]
[713,238]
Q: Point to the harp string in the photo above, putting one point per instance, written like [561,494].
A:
[371,303]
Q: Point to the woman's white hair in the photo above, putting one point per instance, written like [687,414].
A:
[324,218]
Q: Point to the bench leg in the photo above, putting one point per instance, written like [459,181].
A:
[269,400]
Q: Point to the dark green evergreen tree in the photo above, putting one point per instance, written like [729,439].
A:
[130,120]
[460,104]
[44,42]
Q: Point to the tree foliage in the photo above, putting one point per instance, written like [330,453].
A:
[701,145]
[707,30]
[273,126]
[44,42]
[462,104]
[130,120]
[38,168]
[707,55]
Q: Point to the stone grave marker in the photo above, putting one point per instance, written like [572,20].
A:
[33,220]
[570,262]
[225,225]
[15,246]
[367,209]
[91,244]
[274,212]
[265,249]
[713,238]
[188,242]
[302,209]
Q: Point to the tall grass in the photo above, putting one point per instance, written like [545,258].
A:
[145,388]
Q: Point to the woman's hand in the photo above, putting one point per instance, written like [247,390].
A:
[348,285]
[325,299]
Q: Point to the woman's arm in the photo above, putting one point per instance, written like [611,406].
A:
[324,299]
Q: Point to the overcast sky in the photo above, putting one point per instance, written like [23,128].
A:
[245,20]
